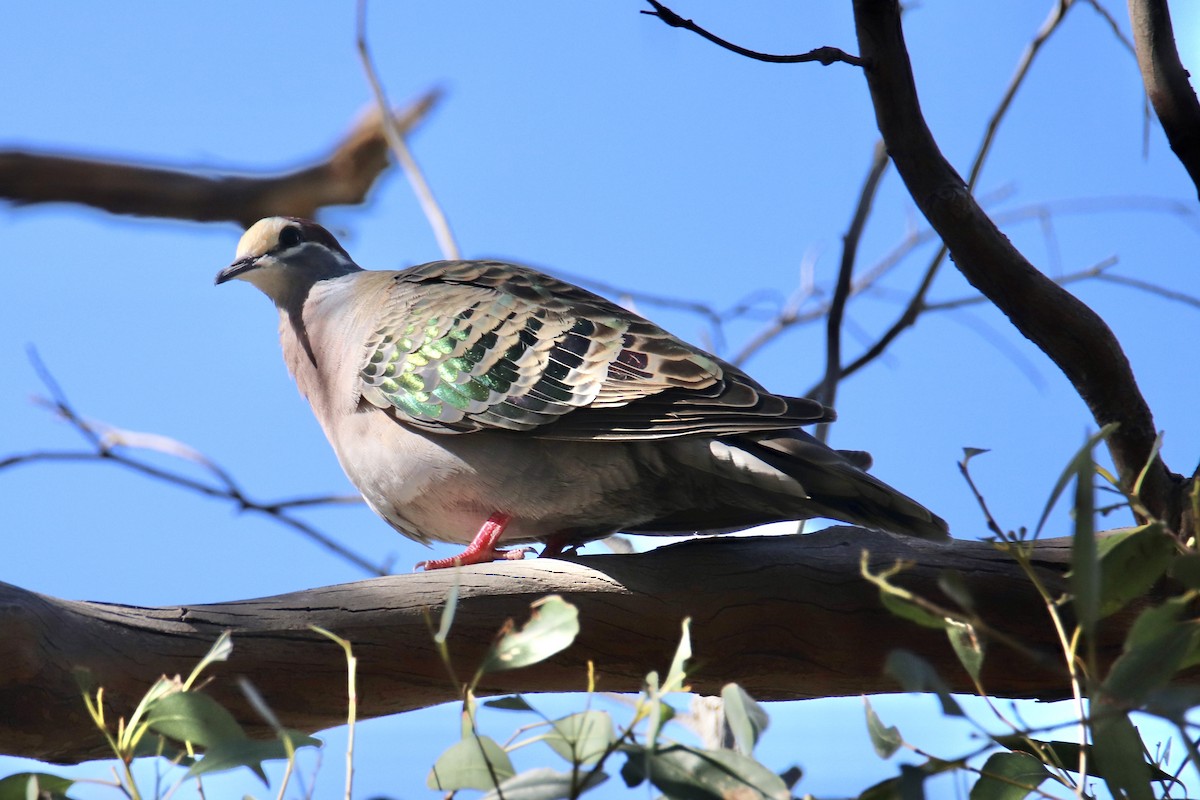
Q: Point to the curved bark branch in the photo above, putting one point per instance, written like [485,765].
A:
[1166,81]
[343,177]
[786,617]
[1073,336]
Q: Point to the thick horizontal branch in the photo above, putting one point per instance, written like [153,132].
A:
[343,177]
[786,617]
[1073,336]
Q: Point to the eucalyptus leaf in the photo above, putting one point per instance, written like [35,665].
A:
[513,702]
[471,763]
[1157,646]
[915,674]
[552,627]
[746,718]
[543,783]
[1009,776]
[41,785]
[885,739]
[687,773]
[1071,470]
[677,674]
[194,717]
[1065,755]
[1117,748]
[967,646]
[1131,563]
[1085,578]
[1186,570]
[581,738]
[234,753]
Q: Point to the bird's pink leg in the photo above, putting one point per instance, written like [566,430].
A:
[482,548]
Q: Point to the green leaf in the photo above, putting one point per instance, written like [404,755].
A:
[1065,755]
[687,773]
[967,646]
[952,583]
[1157,646]
[1072,469]
[1009,776]
[746,719]
[1085,559]
[581,738]
[471,763]
[194,717]
[514,702]
[908,785]
[220,651]
[34,784]
[448,611]
[1118,754]
[1130,563]
[896,599]
[1186,569]
[543,783]
[885,739]
[915,674]
[677,674]
[233,753]
[552,626]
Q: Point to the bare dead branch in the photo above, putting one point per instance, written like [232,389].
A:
[109,445]
[830,636]
[343,177]
[1074,337]
[394,133]
[827,393]
[823,55]
[1166,81]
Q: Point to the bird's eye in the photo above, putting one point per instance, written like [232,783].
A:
[290,237]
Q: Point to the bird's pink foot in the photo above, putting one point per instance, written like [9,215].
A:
[482,548]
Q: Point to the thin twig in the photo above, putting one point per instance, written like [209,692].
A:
[916,305]
[107,443]
[827,393]
[823,55]
[429,204]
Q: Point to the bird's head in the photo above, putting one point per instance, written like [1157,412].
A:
[285,256]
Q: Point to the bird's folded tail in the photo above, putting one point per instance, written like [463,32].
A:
[836,486]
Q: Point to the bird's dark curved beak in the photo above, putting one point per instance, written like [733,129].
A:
[235,270]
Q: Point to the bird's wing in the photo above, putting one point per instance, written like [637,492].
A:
[462,346]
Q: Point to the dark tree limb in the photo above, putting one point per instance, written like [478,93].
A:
[1166,81]
[1073,336]
[786,617]
[343,177]
[823,55]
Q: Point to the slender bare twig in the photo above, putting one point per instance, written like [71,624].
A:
[1071,335]
[914,308]
[108,443]
[395,137]
[827,393]
[822,55]
[1145,286]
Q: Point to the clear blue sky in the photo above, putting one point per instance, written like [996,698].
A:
[590,139]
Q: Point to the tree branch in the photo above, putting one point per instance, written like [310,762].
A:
[1074,337]
[824,55]
[343,177]
[786,617]
[1166,81]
